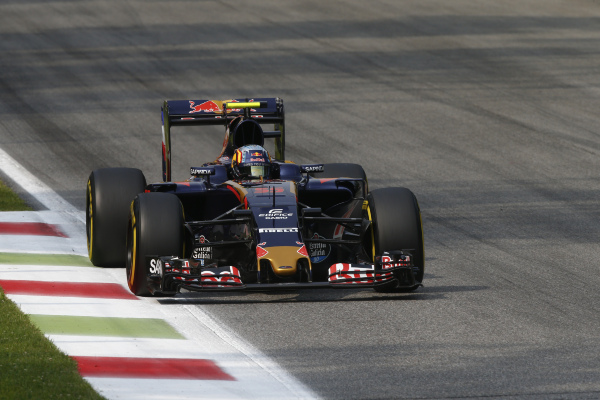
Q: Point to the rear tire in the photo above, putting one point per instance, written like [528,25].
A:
[397,225]
[156,228]
[109,195]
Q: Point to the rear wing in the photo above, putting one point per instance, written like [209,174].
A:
[211,112]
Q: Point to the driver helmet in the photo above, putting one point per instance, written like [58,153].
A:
[251,162]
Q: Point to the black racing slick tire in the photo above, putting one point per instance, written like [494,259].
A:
[108,196]
[156,228]
[397,225]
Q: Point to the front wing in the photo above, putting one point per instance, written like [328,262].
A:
[169,275]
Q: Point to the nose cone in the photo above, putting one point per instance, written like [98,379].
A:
[284,259]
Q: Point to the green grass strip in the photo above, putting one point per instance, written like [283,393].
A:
[105,326]
[31,367]
[69,260]
[9,201]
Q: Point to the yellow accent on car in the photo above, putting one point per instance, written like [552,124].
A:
[243,105]
[284,259]
[371,226]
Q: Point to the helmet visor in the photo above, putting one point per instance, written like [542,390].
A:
[255,171]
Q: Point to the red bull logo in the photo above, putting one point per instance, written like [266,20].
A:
[215,106]
[207,106]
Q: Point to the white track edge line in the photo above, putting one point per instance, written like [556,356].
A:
[34,186]
[269,366]
[50,199]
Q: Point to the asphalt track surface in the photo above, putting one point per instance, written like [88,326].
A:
[488,111]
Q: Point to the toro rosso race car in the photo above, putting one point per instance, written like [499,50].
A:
[250,219]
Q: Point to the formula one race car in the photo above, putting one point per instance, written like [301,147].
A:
[251,221]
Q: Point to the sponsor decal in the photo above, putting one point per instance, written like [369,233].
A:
[202,171]
[222,275]
[203,252]
[387,262]
[276,213]
[179,266]
[350,274]
[313,168]
[156,267]
[319,251]
[207,106]
[277,230]
[257,154]
[210,106]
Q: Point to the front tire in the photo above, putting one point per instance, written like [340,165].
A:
[156,228]
[396,222]
[108,196]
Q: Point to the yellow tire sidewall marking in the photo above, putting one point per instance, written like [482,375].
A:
[134,247]
[90,239]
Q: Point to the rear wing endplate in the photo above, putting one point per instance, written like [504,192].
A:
[210,112]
